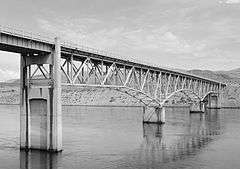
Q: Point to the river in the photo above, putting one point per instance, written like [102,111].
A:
[115,137]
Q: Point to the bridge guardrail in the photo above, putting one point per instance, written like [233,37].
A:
[25,34]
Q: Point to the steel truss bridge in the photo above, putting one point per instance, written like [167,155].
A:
[151,84]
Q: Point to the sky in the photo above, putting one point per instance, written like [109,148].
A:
[182,34]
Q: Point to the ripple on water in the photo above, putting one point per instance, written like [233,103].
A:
[106,137]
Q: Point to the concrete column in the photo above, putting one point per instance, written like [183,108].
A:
[209,101]
[214,101]
[196,108]
[55,99]
[162,115]
[202,106]
[24,107]
[220,98]
[154,115]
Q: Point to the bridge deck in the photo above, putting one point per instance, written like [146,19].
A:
[13,40]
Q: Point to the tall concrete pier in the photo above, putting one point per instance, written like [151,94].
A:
[40,107]
[154,115]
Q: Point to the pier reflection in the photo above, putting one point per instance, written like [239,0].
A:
[172,145]
[171,142]
[39,160]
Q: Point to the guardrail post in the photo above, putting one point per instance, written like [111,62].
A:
[24,107]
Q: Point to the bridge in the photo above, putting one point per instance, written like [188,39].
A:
[61,63]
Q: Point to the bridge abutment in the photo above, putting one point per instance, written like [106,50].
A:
[154,115]
[40,103]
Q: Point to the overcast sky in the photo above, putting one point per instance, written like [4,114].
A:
[185,34]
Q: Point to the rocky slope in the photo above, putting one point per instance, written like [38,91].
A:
[9,92]
[231,78]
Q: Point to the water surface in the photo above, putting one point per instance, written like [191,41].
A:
[114,137]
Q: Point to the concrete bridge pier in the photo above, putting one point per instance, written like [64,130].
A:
[196,108]
[203,106]
[213,102]
[154,115]
[40,102]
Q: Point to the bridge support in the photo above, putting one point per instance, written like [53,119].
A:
[154,115]
[40,103]
[213,102]
[203,106]
[196,108]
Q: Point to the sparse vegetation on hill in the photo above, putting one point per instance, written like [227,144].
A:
[9,92]
[231,78]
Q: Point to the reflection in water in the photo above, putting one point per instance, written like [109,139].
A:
[105,137]
[162,145]
[39,160]
[188,139]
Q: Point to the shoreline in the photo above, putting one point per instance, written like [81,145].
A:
[114,105]
[99,97]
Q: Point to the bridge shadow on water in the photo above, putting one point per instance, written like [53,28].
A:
[163,146]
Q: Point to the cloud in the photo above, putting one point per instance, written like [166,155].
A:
[137,43]
[230,1]
[162,41]
[175,35]
[87,31]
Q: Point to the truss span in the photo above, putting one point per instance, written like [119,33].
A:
[150,87]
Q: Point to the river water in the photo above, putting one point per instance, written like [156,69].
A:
[115,137]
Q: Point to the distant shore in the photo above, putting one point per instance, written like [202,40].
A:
[9,95]
[91,105]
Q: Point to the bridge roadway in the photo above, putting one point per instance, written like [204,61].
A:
[46,64]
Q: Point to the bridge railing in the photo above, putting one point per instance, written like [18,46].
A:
[49,39]
[25,34]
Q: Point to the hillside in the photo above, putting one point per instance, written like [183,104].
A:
[231,78]
[9,91]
